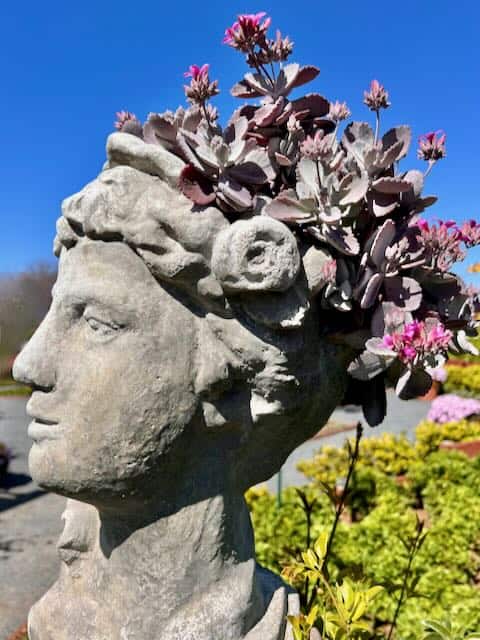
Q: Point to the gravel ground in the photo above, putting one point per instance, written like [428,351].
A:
[30,520]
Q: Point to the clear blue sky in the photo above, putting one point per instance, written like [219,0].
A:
[68,66]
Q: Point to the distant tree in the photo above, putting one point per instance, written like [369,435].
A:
[24,300]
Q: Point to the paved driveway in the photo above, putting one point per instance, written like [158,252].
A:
[29,526]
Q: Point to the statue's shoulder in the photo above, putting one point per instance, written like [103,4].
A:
[283,601]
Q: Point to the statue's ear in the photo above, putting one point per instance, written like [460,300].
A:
[258,254]
[258,265]
[129,150]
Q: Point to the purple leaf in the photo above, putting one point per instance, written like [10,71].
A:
[371,291]
[260,157]
[244,89]
[307,173]
[367,366]
[234,194]
[416,180]
[358,138]
[356,188]
[374,401]
[282,160]
[376,346]
[341,238]
[158,130]
[383,238]
[401,134]
[195,186]
[391,185]
[247,173]
[404,292]
[390,156]
[266,115]
[316,105]
[382,203]
[424,203]
[412,384]
[306,74]
[287,208]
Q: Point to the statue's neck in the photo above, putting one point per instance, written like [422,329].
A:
[178,557]
[189,575]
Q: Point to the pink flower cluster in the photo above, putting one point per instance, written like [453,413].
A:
[470,232]
[443,243]
[377,97]
[249,35]
[416,341]
[452,408]
[431,146]
[329,271]
[317,146]
[122,118]
[247,32]
[200,88]
[339,111]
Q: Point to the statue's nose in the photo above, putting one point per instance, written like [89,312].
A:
[34,364]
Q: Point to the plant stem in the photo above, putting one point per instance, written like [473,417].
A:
[273,71]
[343,499]
[411,557]
[429,168]
[271,80]
[205,113]
[339,509]
[377,125]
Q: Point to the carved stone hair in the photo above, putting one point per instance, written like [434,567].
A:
[249,279]
[220,264]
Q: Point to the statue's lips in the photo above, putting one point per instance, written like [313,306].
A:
[40,429]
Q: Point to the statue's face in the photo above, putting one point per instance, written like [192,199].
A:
[112,368]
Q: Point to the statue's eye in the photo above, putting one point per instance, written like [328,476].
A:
[102,329]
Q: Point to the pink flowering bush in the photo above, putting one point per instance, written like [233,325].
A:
[452,408]
[388,292]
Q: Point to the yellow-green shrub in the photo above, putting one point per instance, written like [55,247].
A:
[463,380]
[386,453]
[430,434]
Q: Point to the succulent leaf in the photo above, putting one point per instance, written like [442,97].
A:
[195,187]
[404,292]
[287,208]
[391,185]
[382,239]
[402,134]
[371,291]
[358,138]
[413,383]
[368,365]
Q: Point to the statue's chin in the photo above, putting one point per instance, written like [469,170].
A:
[48,468]
[43,466]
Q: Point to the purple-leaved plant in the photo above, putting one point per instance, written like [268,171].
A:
[388,292]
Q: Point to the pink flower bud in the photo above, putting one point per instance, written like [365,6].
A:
[431,146]
[377,97]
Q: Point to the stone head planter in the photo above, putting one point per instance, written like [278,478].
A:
[180,363]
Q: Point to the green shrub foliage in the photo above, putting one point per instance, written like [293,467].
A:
[442,488]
